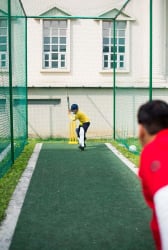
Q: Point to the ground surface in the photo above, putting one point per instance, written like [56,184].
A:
[82,200]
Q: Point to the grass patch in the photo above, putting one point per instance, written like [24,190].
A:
[134,158]
[11,178]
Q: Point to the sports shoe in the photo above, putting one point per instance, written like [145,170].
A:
[81,148]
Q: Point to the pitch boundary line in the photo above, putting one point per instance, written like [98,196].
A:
[129,164]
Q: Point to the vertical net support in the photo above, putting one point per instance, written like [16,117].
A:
[150,48]
[13,83]
[5,132]
[19,76]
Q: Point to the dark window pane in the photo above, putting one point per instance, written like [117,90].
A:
[3,48]
[54,64]
[121,58]
[121,64]
[112,41]
[63,40]
[112,65]
[46,57]
[105,49]
[105,64]
[55,40]
[54,47]
[62,48]
[46,64]
[121,49]
[3,64]
[112,57]
[3,57]
[3,39]
[55,56]
[121,41]
[106,57]
[62,57]
[105,40]
[62,64]
[46,47]
[46,40]
[112,49]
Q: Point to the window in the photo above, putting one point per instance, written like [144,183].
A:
[120,45]
[55,46]
[3,43]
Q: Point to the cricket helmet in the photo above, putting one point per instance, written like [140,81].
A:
[74,107]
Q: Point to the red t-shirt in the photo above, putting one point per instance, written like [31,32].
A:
[153,172]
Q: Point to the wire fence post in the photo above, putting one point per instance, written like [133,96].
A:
[150,49]
[114,79]
[10,79]
[26,77]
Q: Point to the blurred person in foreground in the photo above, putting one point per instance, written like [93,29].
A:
[153,171]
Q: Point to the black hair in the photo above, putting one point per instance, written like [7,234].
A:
[153,115]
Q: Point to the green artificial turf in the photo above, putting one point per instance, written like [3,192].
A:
[82,200]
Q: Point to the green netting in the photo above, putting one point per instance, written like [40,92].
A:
[13,91]
[126,104]
[128,101]
[13,88]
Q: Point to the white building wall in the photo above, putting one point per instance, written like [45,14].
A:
[49,120]
[52,121]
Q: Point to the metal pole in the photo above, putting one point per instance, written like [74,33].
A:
[114,68]
[26,78]
[150,50]
[64,17]
[114,79]
[10,79]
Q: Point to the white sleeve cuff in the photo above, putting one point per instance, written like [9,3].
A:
[161,206]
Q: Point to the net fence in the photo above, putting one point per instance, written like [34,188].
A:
[115,117]
[13,91]
[128,100]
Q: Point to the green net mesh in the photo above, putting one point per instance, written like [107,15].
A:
[128,100]
[13,92]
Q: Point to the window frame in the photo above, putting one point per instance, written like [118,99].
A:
[5,52]
[66,53]
[127,49]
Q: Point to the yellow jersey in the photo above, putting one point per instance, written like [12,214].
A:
[81,117]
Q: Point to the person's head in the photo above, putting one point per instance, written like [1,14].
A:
[74,108]
[152,117]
